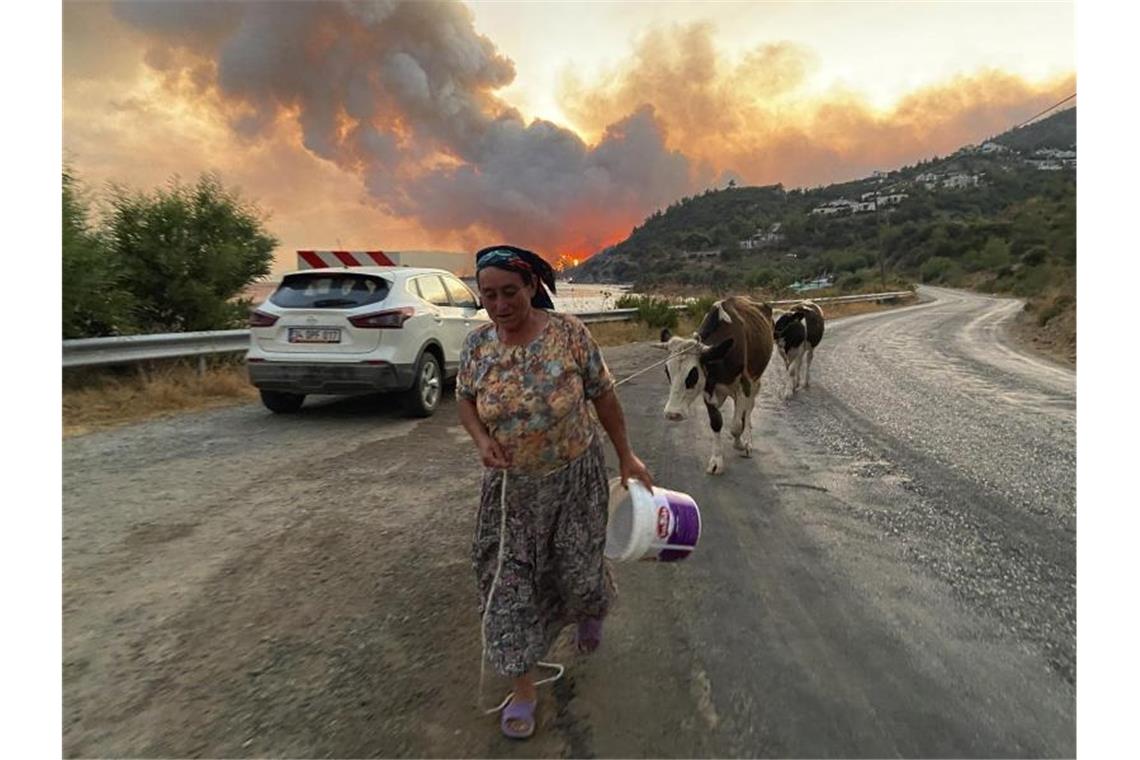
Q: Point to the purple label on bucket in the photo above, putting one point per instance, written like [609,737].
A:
[684,524]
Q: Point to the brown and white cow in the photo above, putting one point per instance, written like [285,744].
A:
[724,358]
[797,332]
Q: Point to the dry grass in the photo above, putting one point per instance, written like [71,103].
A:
[99,399]
[1048,325]
[621,333]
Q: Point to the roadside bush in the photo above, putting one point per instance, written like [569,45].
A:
[188,251]
[172,260]
[95,301]
[655,312]
[1052,307]
[937,269]
[698,308]
[760,278]
[851,281]
[1032,281]
[1035,255]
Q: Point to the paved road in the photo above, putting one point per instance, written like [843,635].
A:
[892,573]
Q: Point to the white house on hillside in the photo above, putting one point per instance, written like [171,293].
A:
[929,179]
[841,205]
[1054,153]
[960,180]
[761,239]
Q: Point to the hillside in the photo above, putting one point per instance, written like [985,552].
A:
[773,236]
[998,217]
[1058,131]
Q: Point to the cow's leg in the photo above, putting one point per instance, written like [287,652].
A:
[786,374]
[810,349]
[742,420]
[738,404]
[793,374]
[716,422]
[748,417]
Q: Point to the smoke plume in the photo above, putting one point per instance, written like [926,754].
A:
[404,95]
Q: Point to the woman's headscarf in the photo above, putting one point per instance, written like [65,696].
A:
[514,259]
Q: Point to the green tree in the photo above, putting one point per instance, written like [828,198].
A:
[993,257]
[188,251]
[94,300]
[730,252]
[937,269]
[760,278]
[1035,255]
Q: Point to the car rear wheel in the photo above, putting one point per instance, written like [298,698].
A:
[280,402]
[427,389]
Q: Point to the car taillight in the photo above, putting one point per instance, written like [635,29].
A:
[261,319]
[393,318]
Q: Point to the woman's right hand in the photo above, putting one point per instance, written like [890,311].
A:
[493,454]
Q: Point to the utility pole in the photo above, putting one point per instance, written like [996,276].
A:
[882,254]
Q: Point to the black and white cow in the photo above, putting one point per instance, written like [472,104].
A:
[724,358]
[797,332]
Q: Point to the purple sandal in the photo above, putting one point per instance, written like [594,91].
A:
[589,635]
[517,710]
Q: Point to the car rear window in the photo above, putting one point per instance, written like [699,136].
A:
[329,291]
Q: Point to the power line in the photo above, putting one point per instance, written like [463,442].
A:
[1047,110]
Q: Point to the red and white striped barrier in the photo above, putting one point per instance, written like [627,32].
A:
[319,259]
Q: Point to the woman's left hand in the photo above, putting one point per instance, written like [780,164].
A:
[632,467]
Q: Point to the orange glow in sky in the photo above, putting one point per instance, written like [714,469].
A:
[557,126]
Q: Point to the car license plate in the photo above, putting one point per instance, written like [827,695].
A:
[314,335]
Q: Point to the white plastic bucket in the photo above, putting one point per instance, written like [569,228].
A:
[660,524]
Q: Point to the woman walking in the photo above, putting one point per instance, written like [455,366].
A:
[523,387]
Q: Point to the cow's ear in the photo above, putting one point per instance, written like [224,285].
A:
[665,334]
[717,352]
[659,346]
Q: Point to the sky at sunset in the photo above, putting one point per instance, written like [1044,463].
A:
[557,126]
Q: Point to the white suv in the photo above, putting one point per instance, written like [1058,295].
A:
[361,330]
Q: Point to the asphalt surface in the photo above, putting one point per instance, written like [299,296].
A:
[892,573]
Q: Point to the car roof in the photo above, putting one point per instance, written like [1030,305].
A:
[390,271]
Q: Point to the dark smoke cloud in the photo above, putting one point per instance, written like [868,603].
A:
[404,95]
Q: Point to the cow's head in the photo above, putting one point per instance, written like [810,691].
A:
[687,371]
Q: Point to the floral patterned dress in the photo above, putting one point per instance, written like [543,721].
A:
[534,401]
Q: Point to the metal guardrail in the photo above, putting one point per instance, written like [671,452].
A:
[857,298]
[94,352]
[613,315]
